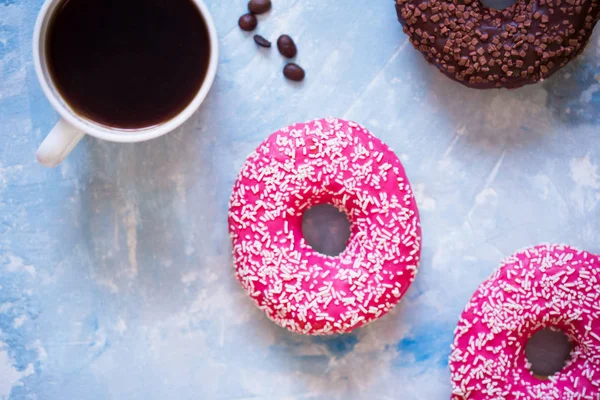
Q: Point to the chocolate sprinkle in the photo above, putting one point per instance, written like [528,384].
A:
[485,48]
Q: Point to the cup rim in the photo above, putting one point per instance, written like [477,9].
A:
[114,134]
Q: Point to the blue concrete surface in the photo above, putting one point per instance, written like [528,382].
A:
[115,272]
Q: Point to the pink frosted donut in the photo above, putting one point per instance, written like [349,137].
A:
[548,286]
[324,161]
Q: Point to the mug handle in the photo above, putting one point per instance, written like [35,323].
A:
[61,140]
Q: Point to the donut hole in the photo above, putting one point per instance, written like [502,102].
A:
[547,352]
[326,229]
[498,4]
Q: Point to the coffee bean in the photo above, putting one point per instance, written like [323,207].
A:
[248,22]
[286,46]
[259,6]
[261,41]
[294,72]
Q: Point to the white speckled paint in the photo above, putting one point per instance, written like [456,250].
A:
[115,272]
[10,376]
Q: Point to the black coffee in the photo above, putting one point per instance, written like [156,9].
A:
[128,63]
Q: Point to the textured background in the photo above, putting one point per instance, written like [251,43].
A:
[115,273]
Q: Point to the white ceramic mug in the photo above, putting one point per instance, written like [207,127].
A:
[72,126]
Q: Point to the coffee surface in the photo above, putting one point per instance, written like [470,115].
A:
[128,63]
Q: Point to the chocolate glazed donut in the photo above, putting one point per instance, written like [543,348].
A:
[485,48]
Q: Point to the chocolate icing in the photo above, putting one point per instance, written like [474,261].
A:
[481,47]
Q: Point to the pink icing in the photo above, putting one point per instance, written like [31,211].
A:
[540,287]
[340,163]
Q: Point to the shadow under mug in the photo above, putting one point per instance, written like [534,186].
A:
[72,127]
